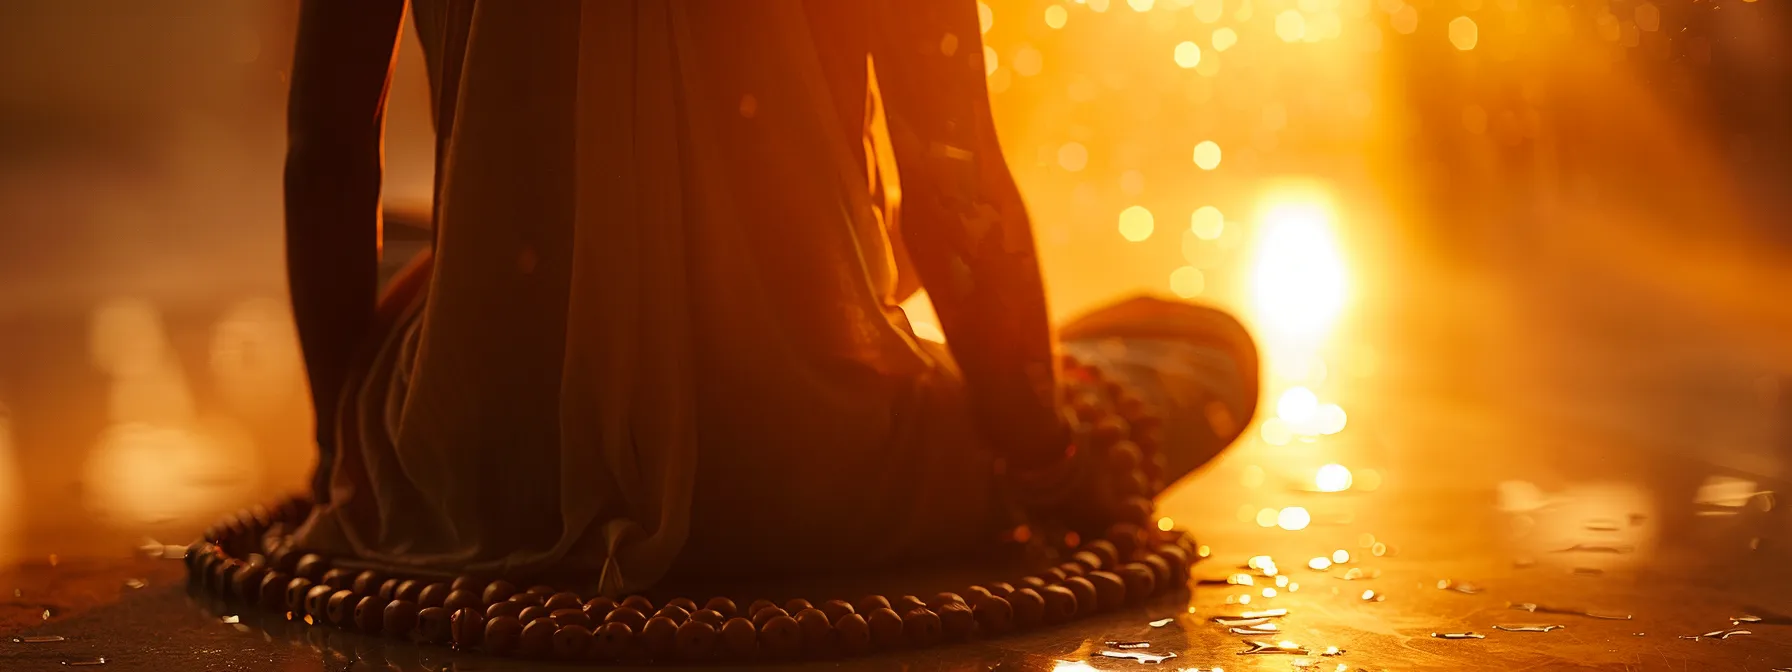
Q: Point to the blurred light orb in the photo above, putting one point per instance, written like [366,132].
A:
[1073,156]
[1028,61]
[1132,182]
[1166,523]
[1098,6]
[986,17]
[990,63]
[1405,20]
[1276,432]
[1224,38]
[1187,281]
[1297,406]
[1298,277]
[1188,55]
[1207,223]
[1464,33]
[1330,419]
[1056,17]
[1332,478]
[1321,563]
[1268,517]
[1141,5]
[1136,223]
[1340,556]
[1648,17]
[1294,518]
[1209,11]
[1207,155]
[1291,26]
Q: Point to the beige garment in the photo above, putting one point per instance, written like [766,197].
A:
[660,327]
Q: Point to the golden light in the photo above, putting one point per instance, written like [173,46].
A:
[1188,54]
[1028,61]
[1141,5]
[1136,223]
[1209,11]
[1187,281]
[986,17]
[989,60]
[1166,524]
[1297,406]
[1224,38]
[1276,432]
[1464,33]
[1298,278]
[1260,562]
[1405,20]
[1340,556]
[1291,26]
[1073,156]
[1207,223]
[1207,155]
[1098,6]
[1332,478]
[1648,17]
[1269,592]
[1056,17]
[1267,517]
[1320,563]
[1294,518]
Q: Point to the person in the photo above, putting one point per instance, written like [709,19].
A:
[659,330]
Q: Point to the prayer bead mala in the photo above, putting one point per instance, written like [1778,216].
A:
[1130,562]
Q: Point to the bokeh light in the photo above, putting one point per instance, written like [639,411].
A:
[1207,155]
[1207,223]
[1464,33]
[1136,223]
[1188,54]
[1294,518]
[1332,478]
[1187,281]
[1297,406]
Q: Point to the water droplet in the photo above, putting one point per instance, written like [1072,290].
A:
[1140,656]
[1128,645]
[39,639]
[85,662]
[1162,622]
[1529,628]
[1458,635]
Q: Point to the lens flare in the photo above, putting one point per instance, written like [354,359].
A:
[1298,283]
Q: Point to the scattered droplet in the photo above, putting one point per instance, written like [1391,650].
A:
[1162,622]
[1140,656]
[39,639]
[1596,548]
[1602,525]
[232,619]
[1266,613]
[1239,622]
[1589,613]
[134,584]
[1587,571]
[1529,628]
[1458,586]
[1268,630]
[1129,645]
[85,662]
[46,614]
[1372,596]
[1522,563]
[1458,635]
[1332,651]
[1258,647]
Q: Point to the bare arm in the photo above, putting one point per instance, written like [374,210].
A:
[336,112]
[966,226]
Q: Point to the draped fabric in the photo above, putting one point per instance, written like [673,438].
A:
[659,327]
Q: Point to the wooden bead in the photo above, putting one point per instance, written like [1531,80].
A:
[410,590]
[462,599]
[311,566]
[684,603]
[1085,594]
[763,615]
[498,591]
[317,603]
[273,591]
[597,613]
[1136,510]
[467,627]
[1071,570]
[1033,582]
[284,560]
[527,599]
[638,603]
[994,615]
[614,640]
[1108,430]
[572,617]
[388,590]
[753,609]
[942,599]
[674,612]
[468,582]
[1141,582]
[400,618]
[870,603]
[998,589]
[537,640]
[368,582]
[853,634]
[908,603]
[957,621]
[1110,590]
[1029,607]
[971,594]
[1125,538]
[740,640]
[572,642]
[818,632]
[1090,562]
[797,605]
[1178,559]
[339,579]
[503,609]
[1160,570]
[1060,604]
[635,620]
[246,586]
[542,589]
[696,640]
[1105,551]
[780,636]
[434,595]
[1053,576]
[921,627]
[723,606]
[533,613]
[370,614]
[836,609]
[502,634]
[714,618]
[599,603]
[296,590]
[1123,457]
[435,625]
[563,600]
[659,636]
[885,627]
[341,608]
